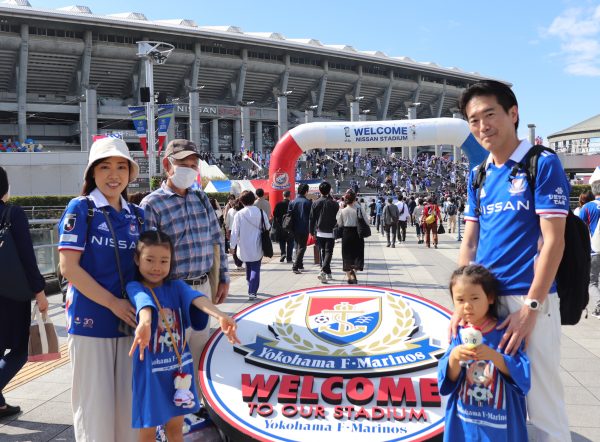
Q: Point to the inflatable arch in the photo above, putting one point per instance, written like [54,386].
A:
[364,134]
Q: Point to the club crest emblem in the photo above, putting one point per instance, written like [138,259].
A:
[518,185]
[343,321]
[281,181]
[69,223]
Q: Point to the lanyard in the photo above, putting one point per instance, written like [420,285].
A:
[160,312]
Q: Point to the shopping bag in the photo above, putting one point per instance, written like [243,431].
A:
[43,341]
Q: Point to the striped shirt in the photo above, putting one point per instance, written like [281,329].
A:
[191,227]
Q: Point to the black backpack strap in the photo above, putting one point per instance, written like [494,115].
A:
[90,216]
[477,185]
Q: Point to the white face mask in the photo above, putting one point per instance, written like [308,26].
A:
[183,177]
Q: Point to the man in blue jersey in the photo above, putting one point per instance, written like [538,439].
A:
[590,214]
[518,233]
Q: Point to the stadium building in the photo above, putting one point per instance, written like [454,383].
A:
[68,74]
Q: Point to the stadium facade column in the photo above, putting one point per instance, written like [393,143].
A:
[195,117]
[214,136]
[22,83]
[86,63]
[457,154]
[412,115]
[282,115]
[245,127]
[237,135]
[91,114]
[258,141]
[531,137]
[84,136]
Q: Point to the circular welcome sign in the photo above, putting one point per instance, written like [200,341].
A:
[330,363]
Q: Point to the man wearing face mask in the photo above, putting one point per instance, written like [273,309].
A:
[187,216]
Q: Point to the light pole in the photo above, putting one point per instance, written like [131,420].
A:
[355,108]
[153,52]
[309,114]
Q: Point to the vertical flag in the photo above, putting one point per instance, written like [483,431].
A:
[165,114]
[138,115]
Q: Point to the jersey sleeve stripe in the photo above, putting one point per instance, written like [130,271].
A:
[79,249]
[472,218]
[551,212]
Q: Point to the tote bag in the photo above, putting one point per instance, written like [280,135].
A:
[43,342]
[265,237]
[364,231]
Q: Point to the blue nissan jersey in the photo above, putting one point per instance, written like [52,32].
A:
[590,214]
[84,316]
[509,228]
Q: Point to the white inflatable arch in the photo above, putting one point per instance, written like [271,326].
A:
[364,134]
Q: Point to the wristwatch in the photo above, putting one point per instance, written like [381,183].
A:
[533,304]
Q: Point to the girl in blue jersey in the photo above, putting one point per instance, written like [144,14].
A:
[98,233]
[487,388]
[163,386]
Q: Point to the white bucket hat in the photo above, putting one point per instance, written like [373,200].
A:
[111,147]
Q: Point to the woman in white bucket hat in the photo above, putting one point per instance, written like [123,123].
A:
[97,312]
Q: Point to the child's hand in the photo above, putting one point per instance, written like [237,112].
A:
[484,353]
[229,326]
[141,339]
[462,353]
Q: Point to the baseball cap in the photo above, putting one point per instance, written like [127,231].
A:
[111,147]
[180,148]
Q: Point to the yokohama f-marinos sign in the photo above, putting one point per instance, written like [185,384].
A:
[330,363]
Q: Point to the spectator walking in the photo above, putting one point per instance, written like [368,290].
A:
[390,217]
[451,212]
[300,213]
[262,203]
[15,316]
[246,236]
[431,215]
[286,241]
[419,221]
[322,221]
[353,246]
[403,216]
[590,214]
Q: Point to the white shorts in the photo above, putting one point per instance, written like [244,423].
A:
[545,401]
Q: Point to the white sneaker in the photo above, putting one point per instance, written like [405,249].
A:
[329,277]
[322,277]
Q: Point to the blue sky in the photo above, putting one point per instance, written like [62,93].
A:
[549,50]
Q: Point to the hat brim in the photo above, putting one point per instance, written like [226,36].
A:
[134,168]
[183,154]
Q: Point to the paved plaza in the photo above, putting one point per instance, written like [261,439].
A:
[44,392]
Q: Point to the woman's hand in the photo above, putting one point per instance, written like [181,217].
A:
[123,309]
[41,301]
[229,326]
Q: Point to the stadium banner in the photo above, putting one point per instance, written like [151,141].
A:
[138,115]
[165,114]
[361,135]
